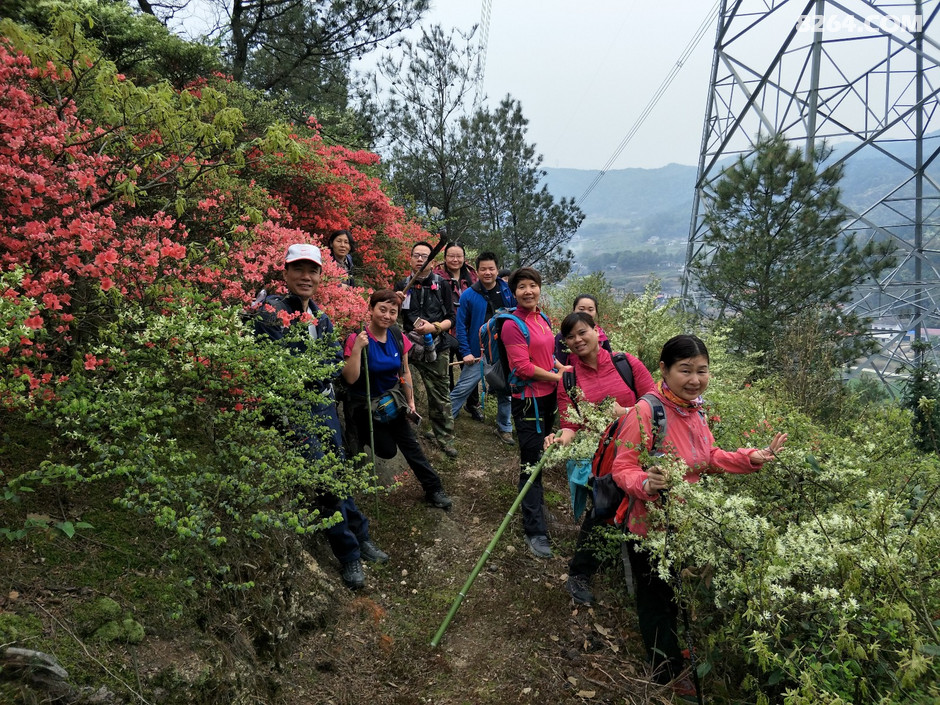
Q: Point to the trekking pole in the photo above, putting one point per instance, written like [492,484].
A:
[686,622]
[375,480]
[533,473]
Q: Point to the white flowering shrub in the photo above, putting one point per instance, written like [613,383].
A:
[815,579]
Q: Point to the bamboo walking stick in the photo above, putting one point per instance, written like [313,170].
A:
[533,473]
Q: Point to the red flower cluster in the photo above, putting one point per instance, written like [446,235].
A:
[77,244]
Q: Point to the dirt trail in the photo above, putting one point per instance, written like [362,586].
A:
[517,637]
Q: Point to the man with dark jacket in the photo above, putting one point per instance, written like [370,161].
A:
[427,309]
[477,306]
[349,539]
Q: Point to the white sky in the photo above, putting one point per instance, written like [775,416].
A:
[584,71]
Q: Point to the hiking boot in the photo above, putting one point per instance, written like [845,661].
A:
[579,586]
[475,413]
[439,500]
[539,546]
[353,577]
[428,435]
[372,553]
[449,450]
[505,437]
[684,688]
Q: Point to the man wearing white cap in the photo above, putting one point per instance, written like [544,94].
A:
[349,539]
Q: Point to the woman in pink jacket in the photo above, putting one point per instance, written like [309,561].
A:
[684,367]
[533,404]
[595,377]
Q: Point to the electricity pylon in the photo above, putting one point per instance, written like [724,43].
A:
[864,77]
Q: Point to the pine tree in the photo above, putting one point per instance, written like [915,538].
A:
[776,250]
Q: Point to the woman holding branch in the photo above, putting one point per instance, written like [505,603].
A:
[595,376]
[684,367]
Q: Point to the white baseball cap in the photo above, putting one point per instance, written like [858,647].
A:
[295,253]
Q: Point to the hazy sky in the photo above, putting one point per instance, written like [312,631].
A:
[584,71]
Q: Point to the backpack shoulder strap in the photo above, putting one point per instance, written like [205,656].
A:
[622,363]
[509,315]
[659,420]
[399,339]
[568,381]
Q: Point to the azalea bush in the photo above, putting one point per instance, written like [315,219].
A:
[137,225]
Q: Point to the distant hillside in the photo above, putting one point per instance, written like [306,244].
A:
[637,220]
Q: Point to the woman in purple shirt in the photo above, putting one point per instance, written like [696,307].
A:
[534,404]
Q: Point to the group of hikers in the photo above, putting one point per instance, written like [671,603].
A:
[442,311]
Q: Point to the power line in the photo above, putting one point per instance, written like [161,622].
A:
[663,87]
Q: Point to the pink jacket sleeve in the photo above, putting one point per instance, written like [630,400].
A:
[350,341]
[517,351]
[627,471]
[566,412]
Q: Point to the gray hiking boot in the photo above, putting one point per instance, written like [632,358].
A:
[372,553]
[439,500]
[539,546]
[579,586]
[353,577]
[505,437]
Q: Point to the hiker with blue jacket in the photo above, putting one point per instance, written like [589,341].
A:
[595,376]
[477,305]
[349,538]
[531,358]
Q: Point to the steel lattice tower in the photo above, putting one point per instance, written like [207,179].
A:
[865,77]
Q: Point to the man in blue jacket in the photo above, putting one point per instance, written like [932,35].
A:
[477,306]
[349,539]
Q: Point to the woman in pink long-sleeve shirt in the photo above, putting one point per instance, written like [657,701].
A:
[533,405]
[596,377]
[684,367]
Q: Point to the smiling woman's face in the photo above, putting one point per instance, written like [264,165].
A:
[687,378]
[587,306]
[383,314]
[582,340]
[528,293]
[454,257]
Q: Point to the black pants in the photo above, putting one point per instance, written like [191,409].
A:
[533,417]
[585,560]
[398,434]
[658,614]
[345,536]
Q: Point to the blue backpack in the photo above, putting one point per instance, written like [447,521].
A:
[497,376]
